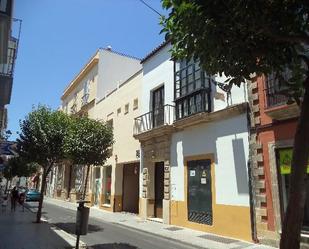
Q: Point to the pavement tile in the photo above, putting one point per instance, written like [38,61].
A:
[17,231]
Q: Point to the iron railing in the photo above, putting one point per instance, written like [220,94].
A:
[7,69]
[275,89]
[155,118]
[85,99]
[275,98]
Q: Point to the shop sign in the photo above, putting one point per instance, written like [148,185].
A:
[285,161]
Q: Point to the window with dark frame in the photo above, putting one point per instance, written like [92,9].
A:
[284,160]
[274,89]
[192,89]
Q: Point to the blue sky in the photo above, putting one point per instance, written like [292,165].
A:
[59,36]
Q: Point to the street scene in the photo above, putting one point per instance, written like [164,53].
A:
[154,124]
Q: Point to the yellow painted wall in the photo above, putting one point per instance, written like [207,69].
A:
[125,146]
[78,89]
[228,220]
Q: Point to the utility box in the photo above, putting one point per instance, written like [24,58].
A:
[82,217]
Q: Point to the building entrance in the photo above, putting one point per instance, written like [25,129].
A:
[159,189]
[130,197]
[199,192]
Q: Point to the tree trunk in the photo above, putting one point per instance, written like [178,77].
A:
[39,213]
[293,219]
[86,182]
[70,181]
[43,187]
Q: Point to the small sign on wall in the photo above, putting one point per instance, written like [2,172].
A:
[192,172]
[203,181]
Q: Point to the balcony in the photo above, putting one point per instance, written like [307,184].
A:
[158,121]
[276,104]
[85,99]
[274,98]
[5,27]
[7,71]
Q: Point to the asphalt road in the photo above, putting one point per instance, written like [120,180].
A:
[104,235]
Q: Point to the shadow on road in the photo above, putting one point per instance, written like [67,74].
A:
[69,227]
[113,246]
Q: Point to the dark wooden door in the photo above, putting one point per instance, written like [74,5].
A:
[158,107]
[199,192]
[159,189]
[130,197]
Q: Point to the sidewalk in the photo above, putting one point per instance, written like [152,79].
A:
[17,231]
[185,235]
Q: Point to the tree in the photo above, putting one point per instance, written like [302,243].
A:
[41,140]
[88,143]
[241,38]
[18,167]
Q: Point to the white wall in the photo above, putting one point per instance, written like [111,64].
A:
[228,141]
[114,69]
[158,70]
[238,94]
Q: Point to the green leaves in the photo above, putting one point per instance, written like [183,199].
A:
[48,137]
[42,135]
[241,37]
[88,141]
[17,166]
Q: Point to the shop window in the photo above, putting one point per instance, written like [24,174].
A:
[107,184]
[284,159]
[79,176]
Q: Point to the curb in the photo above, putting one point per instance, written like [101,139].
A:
[120,224]
[129,227]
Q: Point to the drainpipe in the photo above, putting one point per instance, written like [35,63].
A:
[251,184]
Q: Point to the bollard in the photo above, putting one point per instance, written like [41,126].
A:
[82,217]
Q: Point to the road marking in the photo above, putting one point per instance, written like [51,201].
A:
[70,239]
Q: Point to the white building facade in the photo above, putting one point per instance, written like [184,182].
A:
[194,148]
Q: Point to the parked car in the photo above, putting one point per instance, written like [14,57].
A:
[33,195]
[22,190]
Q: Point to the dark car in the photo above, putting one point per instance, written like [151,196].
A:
[33,195]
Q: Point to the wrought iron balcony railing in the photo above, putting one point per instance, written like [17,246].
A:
[274,97]
[85,99]
[153,119]
[7,69]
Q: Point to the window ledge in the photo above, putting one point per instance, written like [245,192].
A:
[106,205]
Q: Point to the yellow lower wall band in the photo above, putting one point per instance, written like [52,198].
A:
[230,221]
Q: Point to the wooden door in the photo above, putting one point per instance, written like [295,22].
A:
[159,189]
[199,192]
[130,196]
[158,107]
